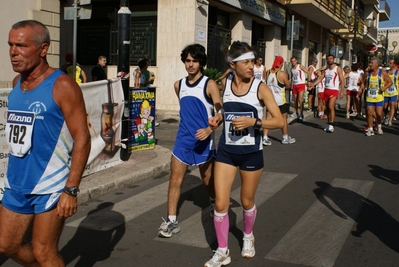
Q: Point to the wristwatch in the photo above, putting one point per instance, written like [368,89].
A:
[72,191]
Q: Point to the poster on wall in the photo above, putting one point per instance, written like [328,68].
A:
[142,126]
[104,105]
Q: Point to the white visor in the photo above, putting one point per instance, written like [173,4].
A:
[248,55]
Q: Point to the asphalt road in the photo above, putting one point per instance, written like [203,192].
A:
[327,200]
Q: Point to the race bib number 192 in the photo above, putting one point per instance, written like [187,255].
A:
[235,137]
[19,131]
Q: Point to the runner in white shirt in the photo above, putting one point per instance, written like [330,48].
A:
[312,90]
[354,88]
[259,69]
[334,87]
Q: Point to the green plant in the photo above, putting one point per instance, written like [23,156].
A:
[213,74]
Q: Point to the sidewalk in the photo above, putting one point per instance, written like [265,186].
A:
[141,165]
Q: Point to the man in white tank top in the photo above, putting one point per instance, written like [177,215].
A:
[298,80]
[334,87]
[312,78]
[259,69]
[354,88]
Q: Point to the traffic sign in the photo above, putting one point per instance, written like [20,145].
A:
[82,12]
[295,32]
[371,48]
[337,51]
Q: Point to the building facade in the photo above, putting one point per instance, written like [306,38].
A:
[161,29]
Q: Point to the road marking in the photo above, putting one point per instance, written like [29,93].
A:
[198,230]
[135,206]
[317,238]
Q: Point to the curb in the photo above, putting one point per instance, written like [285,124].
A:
[142,165]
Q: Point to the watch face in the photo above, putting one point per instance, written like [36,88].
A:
[73,191]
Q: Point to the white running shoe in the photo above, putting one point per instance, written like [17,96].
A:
[369,132]
[267,142]
[288,141]
[329,128]
[248,247]
[219,259]
[168,228]
[379,131]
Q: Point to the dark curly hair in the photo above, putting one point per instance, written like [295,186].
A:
[197,51]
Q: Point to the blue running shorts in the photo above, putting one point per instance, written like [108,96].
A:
[29,204]
[190,157]
[375,104]
[391,99]
[246,162]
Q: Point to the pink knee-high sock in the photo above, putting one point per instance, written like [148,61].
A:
[222,225]
[249,219]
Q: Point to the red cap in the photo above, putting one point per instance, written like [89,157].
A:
[277,62]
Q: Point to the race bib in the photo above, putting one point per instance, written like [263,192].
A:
[391,90]
[19,130]
[372,92]
[235,137]
[295,78]
[328,81]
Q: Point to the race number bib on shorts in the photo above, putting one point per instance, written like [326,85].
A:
[235,137]
[372,92]
[19,130]
[391,90]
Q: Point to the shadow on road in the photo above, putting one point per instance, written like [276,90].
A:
[96,236]
[371,217]
[390,176]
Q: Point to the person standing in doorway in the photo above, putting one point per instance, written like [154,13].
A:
[98,71]
[80,75]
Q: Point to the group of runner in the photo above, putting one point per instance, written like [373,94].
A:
[202,110]
[248,90]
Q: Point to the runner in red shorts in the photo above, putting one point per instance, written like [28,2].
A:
[298,82]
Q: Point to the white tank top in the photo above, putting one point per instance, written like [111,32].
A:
[258,72]
[332,79]
[353,81]
[298,75]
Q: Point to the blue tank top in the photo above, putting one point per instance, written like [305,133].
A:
[45,168]
[195,110]
[248,140]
